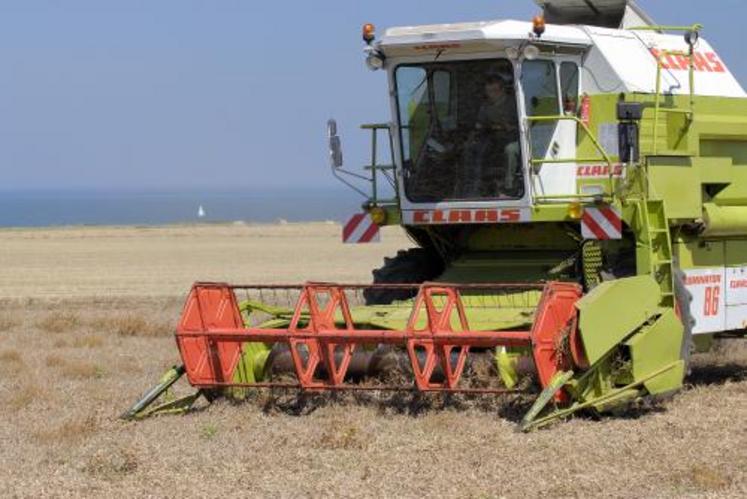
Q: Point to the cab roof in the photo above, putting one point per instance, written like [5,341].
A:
[499,33]
[616,60]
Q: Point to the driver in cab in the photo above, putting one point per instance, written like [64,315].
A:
[492,152]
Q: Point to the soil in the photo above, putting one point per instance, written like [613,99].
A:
[86,321]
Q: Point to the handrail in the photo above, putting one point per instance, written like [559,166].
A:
[604,156]
[379,167]
[565,160]
[374,167]
[693,27]
[657,104]
[660,55]
[371,172]
[564,197]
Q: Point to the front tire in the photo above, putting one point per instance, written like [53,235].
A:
[412,266]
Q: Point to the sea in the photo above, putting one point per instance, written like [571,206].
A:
[110,207]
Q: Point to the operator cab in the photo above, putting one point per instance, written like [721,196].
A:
[459,124]
[464,99]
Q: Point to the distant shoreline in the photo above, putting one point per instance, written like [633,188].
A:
[158,209]
[174,225]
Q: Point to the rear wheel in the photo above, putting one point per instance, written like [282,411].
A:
[413,266]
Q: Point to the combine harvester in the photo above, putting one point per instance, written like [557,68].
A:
[577,189]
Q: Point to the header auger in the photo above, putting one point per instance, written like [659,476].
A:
[576,187]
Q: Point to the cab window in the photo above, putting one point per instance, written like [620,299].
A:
[540,88]
[569,87]
[459,131]
[539,80]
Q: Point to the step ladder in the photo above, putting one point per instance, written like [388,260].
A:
[658,240]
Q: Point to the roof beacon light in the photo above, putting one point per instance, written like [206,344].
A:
[369,33]
[538,26]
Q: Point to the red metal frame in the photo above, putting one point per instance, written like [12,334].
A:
[211,333]
[555,326]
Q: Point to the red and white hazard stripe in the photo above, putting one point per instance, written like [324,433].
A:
[360,230]
[601,223]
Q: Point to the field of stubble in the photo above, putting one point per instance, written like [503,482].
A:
[86,318]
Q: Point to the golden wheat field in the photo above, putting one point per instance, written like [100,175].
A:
[86,320]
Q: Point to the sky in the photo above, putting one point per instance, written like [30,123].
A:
[219,94]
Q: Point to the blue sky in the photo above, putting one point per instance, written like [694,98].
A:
[221,94]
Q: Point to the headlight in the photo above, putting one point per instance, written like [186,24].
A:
[576,211]
[531,52]
[375,61]
[378,216]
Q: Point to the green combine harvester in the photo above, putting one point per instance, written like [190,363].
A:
[577,189]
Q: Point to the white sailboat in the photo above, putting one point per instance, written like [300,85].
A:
[200,212]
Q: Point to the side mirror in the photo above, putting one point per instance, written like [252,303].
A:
[335,145]
[629,114]
[629,111]
[630,150]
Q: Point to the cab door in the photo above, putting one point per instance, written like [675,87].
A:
[550,88]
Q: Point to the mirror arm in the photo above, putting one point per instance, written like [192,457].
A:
[352,174]
[336,174]
[336,162]
[390,179]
